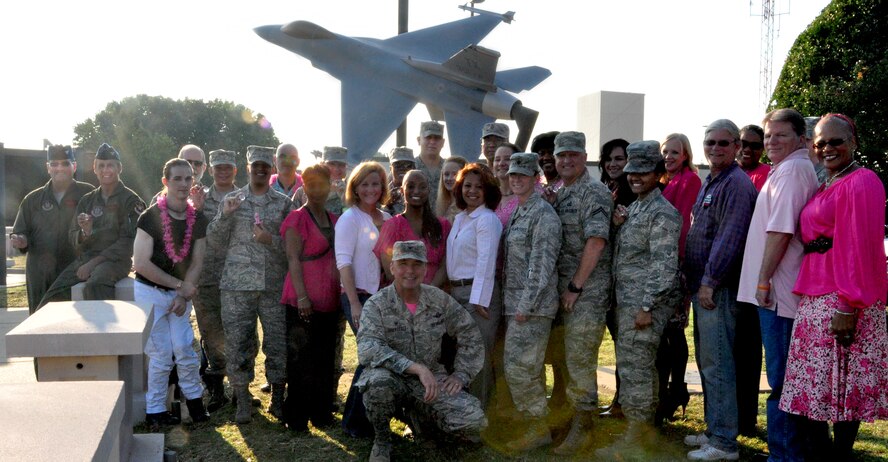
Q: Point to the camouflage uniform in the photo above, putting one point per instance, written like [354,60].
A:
[646,275]
[113,231]
[390,339]
[395,205]
[251,284]
[44,222]
[532,243]
[434,176]
[585,209]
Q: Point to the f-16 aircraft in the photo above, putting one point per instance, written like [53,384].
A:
[442,67]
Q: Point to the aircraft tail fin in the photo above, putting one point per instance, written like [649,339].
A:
[476,62]
[521,79]
[526,119]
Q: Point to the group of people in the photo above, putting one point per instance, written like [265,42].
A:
[461,280]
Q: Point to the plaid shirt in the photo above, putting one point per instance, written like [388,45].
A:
[719,223]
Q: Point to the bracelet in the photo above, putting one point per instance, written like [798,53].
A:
[844,313]
[179,285]
[303,298]
[763,287]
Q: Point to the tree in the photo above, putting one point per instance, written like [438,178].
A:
[149,130]
[840,64]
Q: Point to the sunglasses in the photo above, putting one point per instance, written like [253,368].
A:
[63,163]
[754,145]
[835,142]
[721,143]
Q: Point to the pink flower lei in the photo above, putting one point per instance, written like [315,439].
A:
[169,245]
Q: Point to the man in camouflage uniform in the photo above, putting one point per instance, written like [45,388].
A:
[401,161]
[429,161]
[41,224]
[647,287]
[493,135]
[584,206]
[399,343]
[102,233]
[252,280]
[334,158]
[207,302]
[530,296]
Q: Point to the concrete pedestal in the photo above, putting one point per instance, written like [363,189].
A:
[123,290]
[89,340]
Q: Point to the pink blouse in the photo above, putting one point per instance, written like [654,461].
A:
[852,213]
[320,276]
[398,229]
[682,192]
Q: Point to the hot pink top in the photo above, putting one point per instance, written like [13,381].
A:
[398,229]
[759,175]
[852,213]
[319,274]
[682,192]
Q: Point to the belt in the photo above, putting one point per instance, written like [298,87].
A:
[819,245]
[461,282]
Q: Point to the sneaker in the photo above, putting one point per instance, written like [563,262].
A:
[697,440]
[708,452]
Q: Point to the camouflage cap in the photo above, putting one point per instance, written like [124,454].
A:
[260,154]
[106,152]
[412,250]
[495,129]
[431,127]
[221,156]
[570,142]
[524,163]
[59,152]
[335,154]
[810,123]
[401,154]
[643,156]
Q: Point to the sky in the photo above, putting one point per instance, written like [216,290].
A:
[695,60]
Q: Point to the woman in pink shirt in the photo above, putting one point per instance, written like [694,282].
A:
[417,223]
[839,349]
[682,186]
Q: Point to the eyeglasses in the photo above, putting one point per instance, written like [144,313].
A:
[754,145]
[63,163]
[835,142]
[196,163]
[721,143]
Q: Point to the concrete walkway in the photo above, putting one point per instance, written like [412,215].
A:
[13,370]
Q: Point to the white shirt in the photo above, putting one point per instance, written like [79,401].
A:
[356,235]
[471,251]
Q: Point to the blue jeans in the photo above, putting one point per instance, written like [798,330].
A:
[785,441]
[714,337]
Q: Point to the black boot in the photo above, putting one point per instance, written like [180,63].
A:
[216,390]
[196,410]
[158,419]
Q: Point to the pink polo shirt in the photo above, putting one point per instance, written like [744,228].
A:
[789,186]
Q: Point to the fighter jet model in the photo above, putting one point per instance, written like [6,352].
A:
[441,67]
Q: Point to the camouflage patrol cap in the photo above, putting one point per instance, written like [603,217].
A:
[643,156]
[401,154]
[412,250]
[260,154]
[59,152]
[495,129]
[335,154]
[221,156]
[106,152]
[570,142]
[524,163]
[431,127]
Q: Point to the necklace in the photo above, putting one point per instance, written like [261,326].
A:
[840,172]
[168,243]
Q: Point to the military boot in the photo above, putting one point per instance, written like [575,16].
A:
[578,436]
[244,404]
[276,408]
[382,450]
[196,410]
[536,435]
[635,443]
[216,390]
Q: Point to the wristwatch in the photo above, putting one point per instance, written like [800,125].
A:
[646,309]
[574,289]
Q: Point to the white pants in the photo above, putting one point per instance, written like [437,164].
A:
[170,335]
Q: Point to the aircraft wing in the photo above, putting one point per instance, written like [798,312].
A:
[439,43]
[464,133]
[370,114]
[524,78]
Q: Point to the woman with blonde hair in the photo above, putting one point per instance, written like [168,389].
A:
[444,205]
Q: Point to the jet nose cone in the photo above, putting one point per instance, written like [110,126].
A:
[306,31]
[268,32]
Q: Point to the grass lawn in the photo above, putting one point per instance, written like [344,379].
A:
[266,440]
[15,296]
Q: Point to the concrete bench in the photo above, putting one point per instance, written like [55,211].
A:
[123,290]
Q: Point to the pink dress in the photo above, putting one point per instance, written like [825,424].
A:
[824,380]
[398,229]
[319,271]
[682,192]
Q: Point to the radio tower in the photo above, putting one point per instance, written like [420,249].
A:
[768,14]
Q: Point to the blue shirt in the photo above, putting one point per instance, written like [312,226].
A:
[719,224]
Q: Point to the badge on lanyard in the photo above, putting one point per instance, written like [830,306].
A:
[98,211]
[707,201]
[47,205]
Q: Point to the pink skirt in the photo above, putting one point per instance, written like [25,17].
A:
[826,381]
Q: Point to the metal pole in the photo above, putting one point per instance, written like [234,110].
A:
[3,215]
[401,134]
